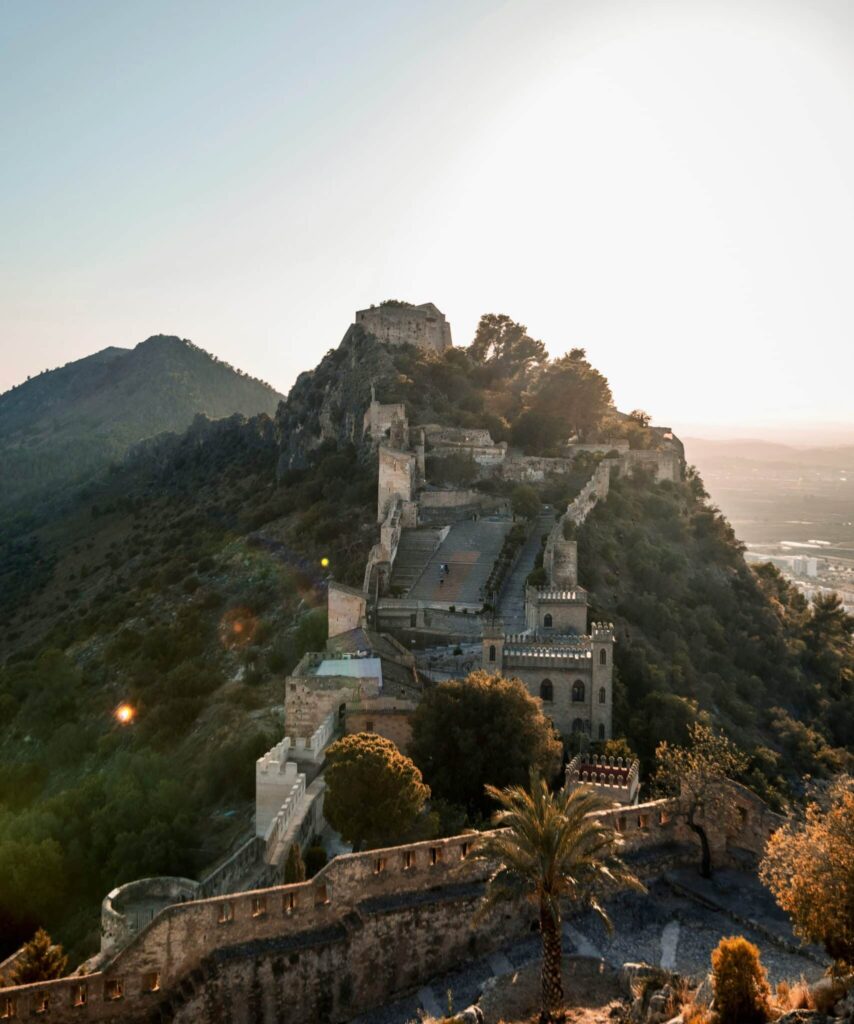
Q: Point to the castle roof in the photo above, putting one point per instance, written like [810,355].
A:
[399,676]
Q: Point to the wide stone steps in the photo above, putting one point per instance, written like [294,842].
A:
[470,550]
[413,553]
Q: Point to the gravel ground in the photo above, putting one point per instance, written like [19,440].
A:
[639,921]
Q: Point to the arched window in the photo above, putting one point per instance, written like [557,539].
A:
[601,732]
[547,691]
[492,652]
[603,696]
[578,725]
[603,657]
[578,690]
[547,620]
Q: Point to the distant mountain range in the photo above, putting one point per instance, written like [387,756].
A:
[704,452]
[67,424]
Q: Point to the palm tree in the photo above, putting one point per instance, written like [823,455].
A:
[548,849]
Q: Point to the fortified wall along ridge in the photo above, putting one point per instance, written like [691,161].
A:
[445,590]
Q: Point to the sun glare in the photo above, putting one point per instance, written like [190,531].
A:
[125,714]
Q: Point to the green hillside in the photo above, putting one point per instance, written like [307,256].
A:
[68,423]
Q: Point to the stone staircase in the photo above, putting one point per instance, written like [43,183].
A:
[413,553]
[470,550]
[511,606]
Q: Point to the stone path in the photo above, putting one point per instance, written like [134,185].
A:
[669,945]
[470,551]
[512,605]
[580,943]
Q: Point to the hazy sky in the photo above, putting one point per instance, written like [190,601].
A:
[669,184]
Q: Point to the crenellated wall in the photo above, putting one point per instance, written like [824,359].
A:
[366,928]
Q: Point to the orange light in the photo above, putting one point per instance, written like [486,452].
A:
[237,627]
[125,714]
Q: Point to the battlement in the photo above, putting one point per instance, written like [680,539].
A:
[425,892]
[614,778]
[555,595]
[279,789]
[602,631]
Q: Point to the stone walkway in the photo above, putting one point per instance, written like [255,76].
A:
[512,605]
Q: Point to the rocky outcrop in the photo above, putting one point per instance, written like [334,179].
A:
[328,404]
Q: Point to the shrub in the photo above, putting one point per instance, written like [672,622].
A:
[794,997]
[739,983]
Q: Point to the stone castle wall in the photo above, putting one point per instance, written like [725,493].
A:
[347,608]
[397,475]
[365,929]
[424,326]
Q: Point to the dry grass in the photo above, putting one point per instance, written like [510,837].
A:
[795,996]
[696,1013]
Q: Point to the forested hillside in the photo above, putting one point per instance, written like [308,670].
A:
[700,632]
[190,578]
[68,423]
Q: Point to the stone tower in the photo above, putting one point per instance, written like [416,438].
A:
[602,680]
[401,323]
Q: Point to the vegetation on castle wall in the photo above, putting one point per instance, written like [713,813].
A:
[694,777]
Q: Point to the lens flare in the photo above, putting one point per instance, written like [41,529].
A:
[125,714]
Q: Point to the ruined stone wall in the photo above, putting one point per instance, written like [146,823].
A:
[560,558]
[424,326]
[397,472]
[128,908]
[380,420]
[664,465]
[309,700]
[529,469]
[347,608]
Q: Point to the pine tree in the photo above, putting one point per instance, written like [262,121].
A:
[40,960]
[294,866]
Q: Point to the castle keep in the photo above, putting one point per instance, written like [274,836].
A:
[400,323]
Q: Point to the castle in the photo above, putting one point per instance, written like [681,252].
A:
[445,589]
[401,323]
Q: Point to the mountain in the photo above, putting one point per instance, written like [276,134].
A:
[67,424]
[706,452]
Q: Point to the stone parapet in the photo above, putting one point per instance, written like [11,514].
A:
[612,777]
[174,957]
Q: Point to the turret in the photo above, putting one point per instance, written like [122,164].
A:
[493,646]
[602,651]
